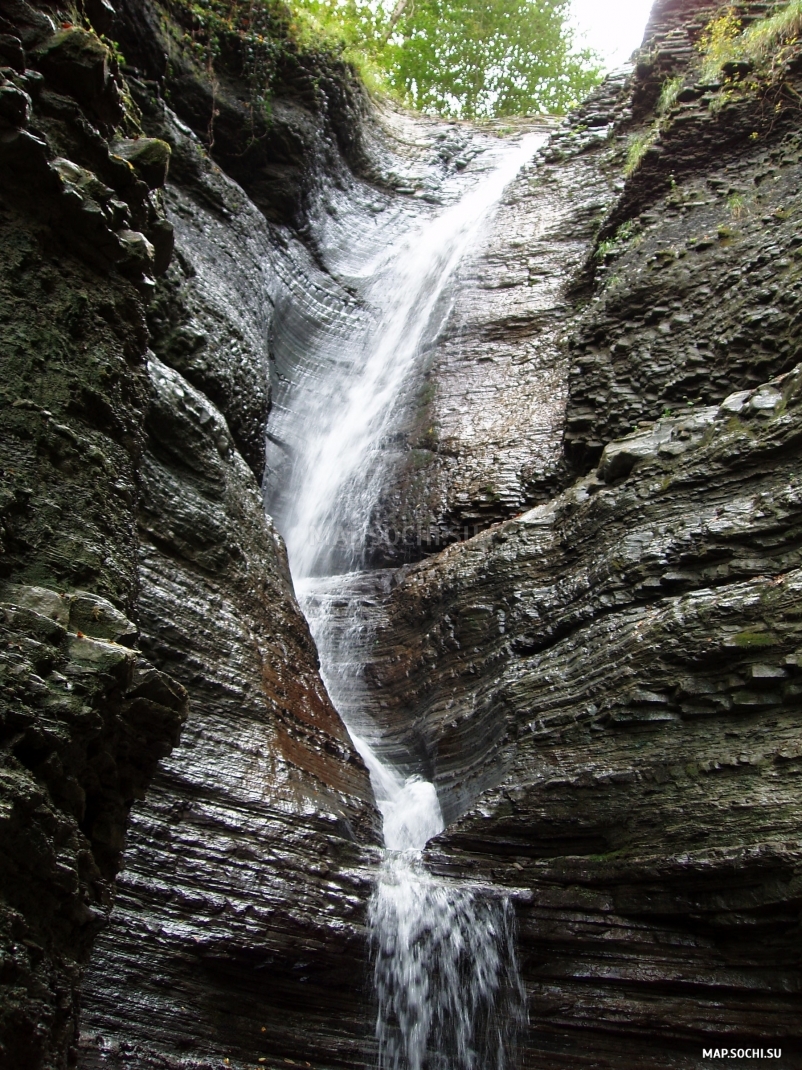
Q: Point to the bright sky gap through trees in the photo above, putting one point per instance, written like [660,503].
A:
[612,28]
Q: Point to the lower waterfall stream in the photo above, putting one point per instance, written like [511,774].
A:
[447,987]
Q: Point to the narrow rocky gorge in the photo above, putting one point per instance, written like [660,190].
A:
[581,618]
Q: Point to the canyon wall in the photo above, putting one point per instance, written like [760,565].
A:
[142,588]
[606,688]
[603,680]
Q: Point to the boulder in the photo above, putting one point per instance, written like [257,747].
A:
[149,156]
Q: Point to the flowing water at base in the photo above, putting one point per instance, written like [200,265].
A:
[447,986]
[445,970]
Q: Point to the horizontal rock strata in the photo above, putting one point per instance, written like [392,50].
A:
[84,718]
[605,689]
[480,436]
[622,664]
[242,893]
[239,914]
[135,553]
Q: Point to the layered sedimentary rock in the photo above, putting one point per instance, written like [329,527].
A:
[135,553]
[699,293]
[616,672]
[480,437]
[240,911]
[246,850]
[605,688]
[622,665]
[84,717]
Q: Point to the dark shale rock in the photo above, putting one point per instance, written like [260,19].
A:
[211,316]
[606,688]
[482,438]
[12,53]
[84,718]
[315,122]
[78,63]
[240,914]
[149,156]
[697,293]
[102,15]
[121,489]
[616,673]
[223,939]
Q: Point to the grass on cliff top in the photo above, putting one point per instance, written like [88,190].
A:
[763,44]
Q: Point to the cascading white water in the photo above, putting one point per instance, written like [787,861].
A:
[445,972]
[447,986]
[446,977]
[337,479]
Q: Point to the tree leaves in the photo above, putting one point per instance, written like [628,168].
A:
[468,59]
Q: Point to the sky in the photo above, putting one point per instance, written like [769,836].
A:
[614,28]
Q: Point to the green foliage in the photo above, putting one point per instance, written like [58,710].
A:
[469,59]
[765,44]
[753,639]
[762,41]
[736,205]
[718,44]
[637,149]
[640,144]
[245,35]
[668,95]
[459,58]
[613,246]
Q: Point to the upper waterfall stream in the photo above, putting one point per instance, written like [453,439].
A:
[446,979]
[337,474]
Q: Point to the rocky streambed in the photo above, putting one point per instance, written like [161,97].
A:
[582,596]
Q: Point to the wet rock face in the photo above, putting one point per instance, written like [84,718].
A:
[622,665]
[84,717]
[246,850]
[211,317]
[481,438]
[135,554]
[317,111]
[606,689]
[84,722]
[698,289]
[240,913]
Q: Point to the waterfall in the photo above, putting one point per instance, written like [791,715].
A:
[446,981]
[337,476]
[445,971]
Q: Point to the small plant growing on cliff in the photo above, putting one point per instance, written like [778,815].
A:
[765,38]
[718,44]
[245,36]
[638,147]
[668,95]
[736,205]
[613,246]
[765,44]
